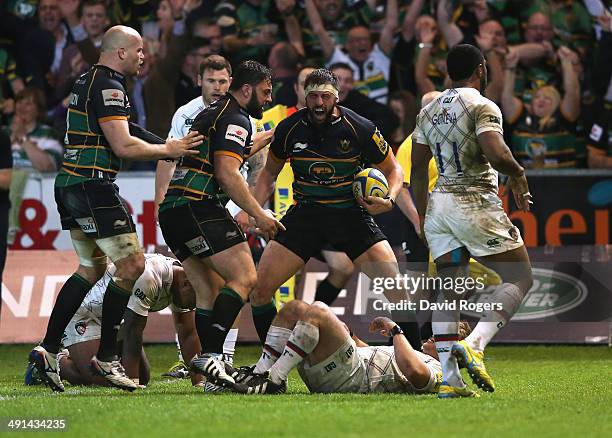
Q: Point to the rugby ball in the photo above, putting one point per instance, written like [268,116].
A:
[370,182]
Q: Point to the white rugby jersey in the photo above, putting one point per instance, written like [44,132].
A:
[383,373]
[151,292]
[449,126]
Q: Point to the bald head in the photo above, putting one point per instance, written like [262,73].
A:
[429,97]
[118,37]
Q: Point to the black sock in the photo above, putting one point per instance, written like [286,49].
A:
[425,331]
[113,307]
[262,318]
[225,311]
[327,292]
[68,300]
[203,319]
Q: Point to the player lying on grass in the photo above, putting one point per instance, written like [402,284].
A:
[329,359]
[162,284]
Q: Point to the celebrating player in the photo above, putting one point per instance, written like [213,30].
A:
[98,138]
[195,225]
[162,284]
[326,145]
[464,217]
[329,359]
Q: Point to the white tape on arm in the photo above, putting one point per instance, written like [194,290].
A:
[233,208]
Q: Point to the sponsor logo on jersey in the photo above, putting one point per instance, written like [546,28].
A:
[231,234]
[330,366]
[448,99]
[297,146]
[71,154]
[87,224]
[237,134]
[113,96]
[382,144]
[119,223]
[596,132]
[81,327]
[494,119]
[74,99]
[179,173]
[321,170]
[197,245]
[189,122]
[552,293]
[139,293]
[493,243]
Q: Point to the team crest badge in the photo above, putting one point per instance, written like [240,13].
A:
[345,145]
[81,327]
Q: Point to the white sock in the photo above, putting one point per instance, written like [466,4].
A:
[229,346]
[276,339]
[510,297]
[178,348]
[301,343]
[445,328]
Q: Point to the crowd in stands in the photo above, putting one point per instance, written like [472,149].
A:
[549,63]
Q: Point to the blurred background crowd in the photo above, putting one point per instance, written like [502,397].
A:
[549,64]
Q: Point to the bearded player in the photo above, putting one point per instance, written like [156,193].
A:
[326,145]
[464,217]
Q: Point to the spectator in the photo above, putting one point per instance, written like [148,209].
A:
[187,87]
[10,83]
[352,99]
[543,131]
[210,30]
[337,19]
[535,72]
[370,62]
[430,65]
[33,147]
[570,23]
[284,61]
[79,56]
[256,25]
[403,105]
[599,141]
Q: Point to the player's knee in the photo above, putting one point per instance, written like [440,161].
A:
[91,274]
[294,310]
[317,312]
[262,292]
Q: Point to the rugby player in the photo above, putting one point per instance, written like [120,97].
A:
[326,145]
[162,284]
[98,139]
[329,359]
[214,79]
[464,217]
[196,226]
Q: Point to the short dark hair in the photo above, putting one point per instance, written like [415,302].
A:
[341,66]
[37,95]
[250,72]
[215,62]
[321,76]
[89,3]
[462,60]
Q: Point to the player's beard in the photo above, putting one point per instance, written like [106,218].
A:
[328,116]
[254,108]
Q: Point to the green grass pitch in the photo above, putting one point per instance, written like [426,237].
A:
[542,391]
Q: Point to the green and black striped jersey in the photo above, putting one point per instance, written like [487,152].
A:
[97,96]
[227,130]
[325,159]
